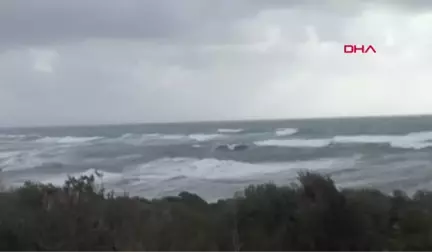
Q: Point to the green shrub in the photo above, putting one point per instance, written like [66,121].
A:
[309,215]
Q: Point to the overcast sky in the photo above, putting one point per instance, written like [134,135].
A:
[110,61]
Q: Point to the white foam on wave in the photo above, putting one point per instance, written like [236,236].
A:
[422,135]
[12,136]
[138,139]
[176,174]
[127,138]
[411,145]
[67,140]
[168,136]
[230,130]
[157,136]
[8,154]
[214,169]
[285,131]
[204,137]
[20,160]
[365,139]
[30,158]
[295,143]
[415,140]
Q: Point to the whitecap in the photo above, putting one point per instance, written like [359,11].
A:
[137,139]
[411,145]
[8,154]
[31,158]
[67,140]
[214,169]
[295,143]
[204,137]
[414,140]
[12,136]
[366,139]
[286,131]
[24,160]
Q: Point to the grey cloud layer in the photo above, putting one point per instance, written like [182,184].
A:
[51,21]
[106,61]
[94,84]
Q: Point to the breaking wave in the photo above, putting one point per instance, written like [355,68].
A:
[29,159]
[168,168]
[295,143]
[141,138]
[285,131]
[415,140]
[230,130]
[67,140]
[127,138]
[204,137]
[11,136]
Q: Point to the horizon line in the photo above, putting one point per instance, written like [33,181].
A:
[214,121]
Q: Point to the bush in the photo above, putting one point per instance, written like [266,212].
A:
[309,215]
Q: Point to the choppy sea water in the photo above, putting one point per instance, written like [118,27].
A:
[217,159]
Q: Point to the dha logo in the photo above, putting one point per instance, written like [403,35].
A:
[362,48]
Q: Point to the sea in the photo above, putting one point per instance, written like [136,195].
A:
[217,159]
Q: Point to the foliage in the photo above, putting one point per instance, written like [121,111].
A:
[309,215]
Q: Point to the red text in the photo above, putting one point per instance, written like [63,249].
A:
[359,48]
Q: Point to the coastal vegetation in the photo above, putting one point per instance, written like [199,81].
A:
[312,214]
